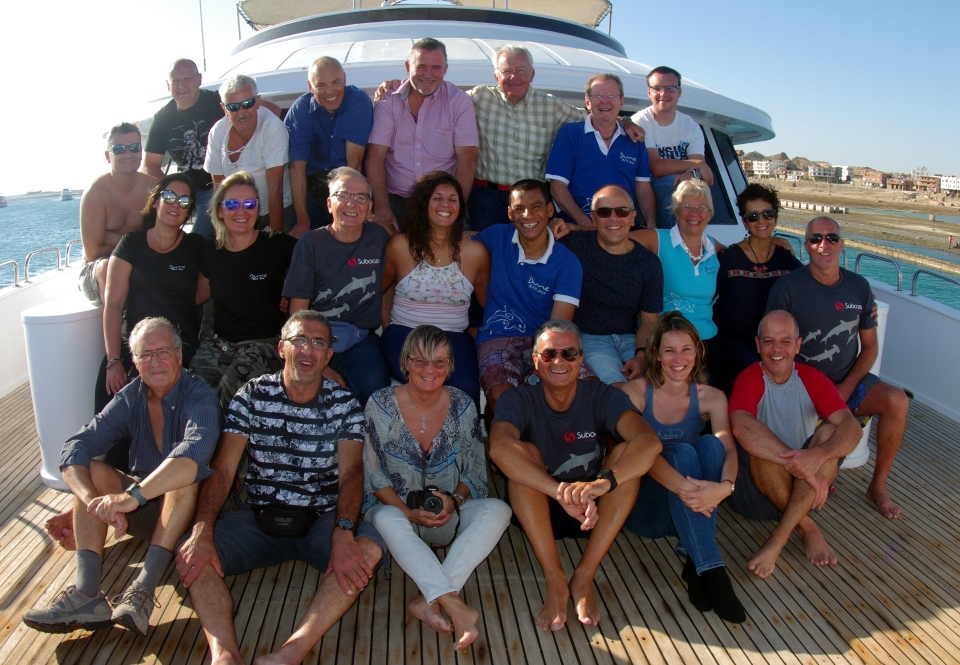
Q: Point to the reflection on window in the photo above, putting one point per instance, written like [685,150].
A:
[723,208]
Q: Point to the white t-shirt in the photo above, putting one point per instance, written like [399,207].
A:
[268,147]
[678,140]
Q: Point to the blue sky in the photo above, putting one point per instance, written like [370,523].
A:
[864,83]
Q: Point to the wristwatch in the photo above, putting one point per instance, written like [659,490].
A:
[696,173]
[346,524]
[134,491]
[607,474]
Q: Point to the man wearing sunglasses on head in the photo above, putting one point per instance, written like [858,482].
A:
[550,440]
[834,309]
[111,206]
[674,141]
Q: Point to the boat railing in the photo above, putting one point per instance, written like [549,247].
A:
[26,263]
[860,255]
[803,255]
[916,277]
[77,241]
[16,271]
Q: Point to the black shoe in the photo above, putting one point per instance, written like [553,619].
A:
[720,591]
[696,590]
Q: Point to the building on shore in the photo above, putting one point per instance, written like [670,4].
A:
[875,179]
[928,184]
[901,184]
[845,173]
[919,172]
[822,173]
[950,184]
[768,168]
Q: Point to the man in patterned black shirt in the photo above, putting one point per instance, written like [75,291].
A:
[304,436]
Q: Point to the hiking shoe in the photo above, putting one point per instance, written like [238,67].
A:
[132,608]
[69,611]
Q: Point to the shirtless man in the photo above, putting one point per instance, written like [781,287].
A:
[111,206]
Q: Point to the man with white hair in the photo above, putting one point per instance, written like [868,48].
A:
[328,127]
[172,420]
[251,138]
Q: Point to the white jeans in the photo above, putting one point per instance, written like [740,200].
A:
[483,521]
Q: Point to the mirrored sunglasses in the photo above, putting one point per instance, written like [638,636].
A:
[233,204]
[233,107]
[170,197]
[119,149]
[817,238]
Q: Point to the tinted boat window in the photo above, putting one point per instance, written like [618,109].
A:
[723,208]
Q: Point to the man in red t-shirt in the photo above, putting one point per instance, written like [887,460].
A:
[787,463]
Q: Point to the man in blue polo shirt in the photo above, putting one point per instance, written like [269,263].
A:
[532,280]
[328,127]
[590,154]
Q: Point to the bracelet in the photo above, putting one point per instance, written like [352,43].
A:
[459,496]
[111,361]
[639,349]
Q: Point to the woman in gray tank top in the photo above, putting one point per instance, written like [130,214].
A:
[695,472]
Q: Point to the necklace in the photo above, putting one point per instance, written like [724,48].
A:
[423,418]
[755,257]
[703,250]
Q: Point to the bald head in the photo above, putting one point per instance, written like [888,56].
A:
[183,82]
[820,221]
[327,81]
[778,317]
[778,343]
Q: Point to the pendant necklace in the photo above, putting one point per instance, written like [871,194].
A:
[423,418]
[761,264]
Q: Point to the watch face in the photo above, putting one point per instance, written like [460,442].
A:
[345,524]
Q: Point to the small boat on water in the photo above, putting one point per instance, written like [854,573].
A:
[3,201]
[66,195]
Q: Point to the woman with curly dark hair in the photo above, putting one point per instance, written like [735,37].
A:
[431,271]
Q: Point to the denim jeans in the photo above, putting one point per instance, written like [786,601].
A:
[606,354]
[659,512]
[483,521]
[663,191]
[363,368]
[488,207]
[201,215]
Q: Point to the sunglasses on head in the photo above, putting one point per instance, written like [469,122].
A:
[169,197]
[754,216]
[118,149]
[233,107]
[233,204]
[817,238]
[569,354]
[605,212]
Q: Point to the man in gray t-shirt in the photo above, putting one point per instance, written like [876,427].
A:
[834,309]
[549,440]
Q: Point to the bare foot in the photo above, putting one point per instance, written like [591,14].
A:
[60,528]
[464,620]
[885,504]
[764,562]
[582,593]
[276,658]
[226,658]
[553,614]
[816,548]
[429,614]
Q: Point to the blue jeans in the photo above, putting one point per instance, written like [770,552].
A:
[317,211]
[488,207]
[606,354]
[363,368]
[659,512]
[663,191]
[201,215]
[466,371]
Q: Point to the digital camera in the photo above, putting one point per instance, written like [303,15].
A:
[425,499]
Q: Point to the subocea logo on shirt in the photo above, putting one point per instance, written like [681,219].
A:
[839,306]
[569,437]
[353,262]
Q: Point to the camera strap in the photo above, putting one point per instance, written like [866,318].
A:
[456,508]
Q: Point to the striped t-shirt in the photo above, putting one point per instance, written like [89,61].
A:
[293,447]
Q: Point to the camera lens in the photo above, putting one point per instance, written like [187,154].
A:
[433,504]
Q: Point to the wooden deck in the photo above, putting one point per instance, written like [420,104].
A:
[894,598]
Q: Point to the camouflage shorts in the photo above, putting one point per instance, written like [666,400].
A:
[227,366]
[88,282]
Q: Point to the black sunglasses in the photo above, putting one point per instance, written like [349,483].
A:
[754,216]
[233,107]
[569,354]
[118,149]
[233,204]
[817,238]
[605,212]
[170,197]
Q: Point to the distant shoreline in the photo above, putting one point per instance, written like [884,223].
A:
[40,195]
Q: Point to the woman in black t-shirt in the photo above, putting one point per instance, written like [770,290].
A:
[243,269]
[153,271]
[748,270]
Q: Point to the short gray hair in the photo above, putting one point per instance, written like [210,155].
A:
[236,82]
[512,49]
[321,62]
[429,339]
[603,76]
[693,187]
[778,312]
[302,316]
[557,326]
[152,324]
[341,173]
[825,219]
[428,44]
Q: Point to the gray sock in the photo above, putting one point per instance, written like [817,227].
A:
[153,567]
[89,564]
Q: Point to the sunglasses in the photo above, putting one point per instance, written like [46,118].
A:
[817,238]
[233,204]
[233,107]
[118,149]
[754,216]
[170,197]
[604,212]
[569,354]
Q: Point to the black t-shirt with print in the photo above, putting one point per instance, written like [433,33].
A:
[184,135]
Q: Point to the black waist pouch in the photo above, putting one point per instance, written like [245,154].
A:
[285,522]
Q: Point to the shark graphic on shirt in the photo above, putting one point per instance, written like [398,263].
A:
[576,461]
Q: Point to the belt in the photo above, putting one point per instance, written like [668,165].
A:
[492,185]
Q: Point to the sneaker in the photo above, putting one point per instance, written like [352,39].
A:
[132,608]
[69,611]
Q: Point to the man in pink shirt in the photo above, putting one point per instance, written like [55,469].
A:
[427,125]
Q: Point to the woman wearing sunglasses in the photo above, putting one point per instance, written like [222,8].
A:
[153,271]
[243,270]
[694,472]
[431,271]
[422,435]
[748,270]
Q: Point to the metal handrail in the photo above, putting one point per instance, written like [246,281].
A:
[856,266]
[26,263]
[16,271]
[916,276]
[66,263]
